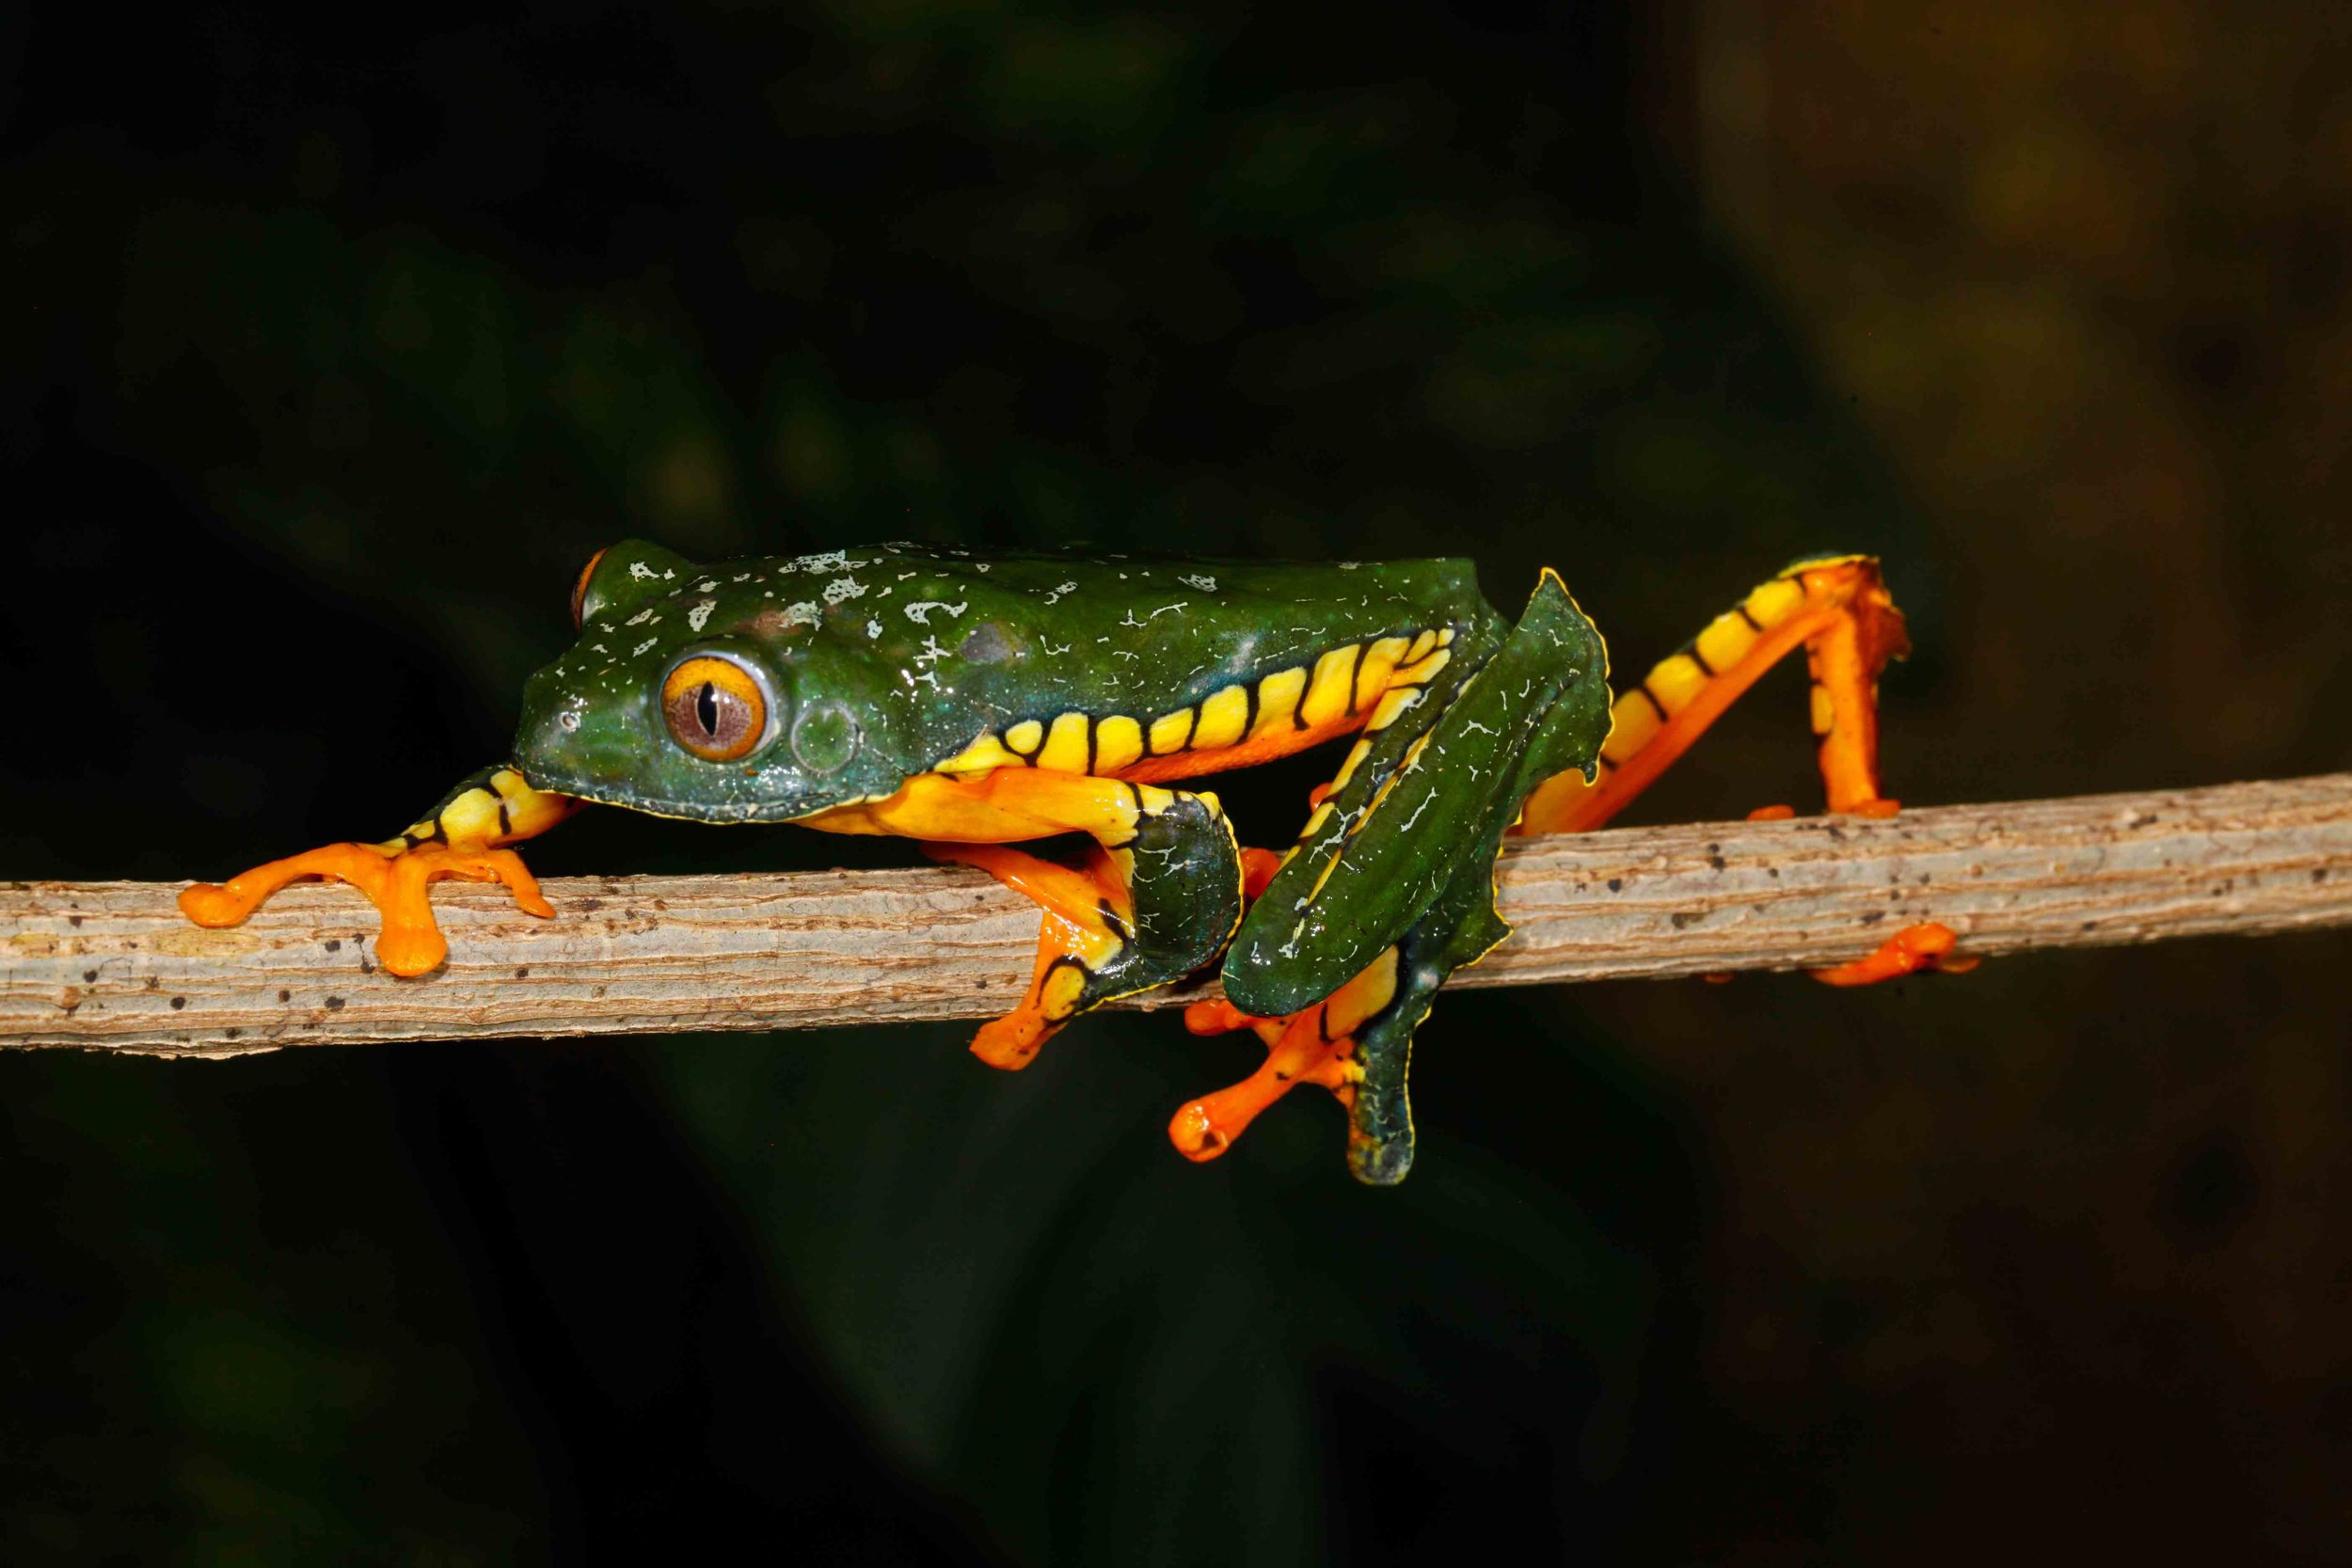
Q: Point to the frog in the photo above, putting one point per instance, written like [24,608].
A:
[1046,718]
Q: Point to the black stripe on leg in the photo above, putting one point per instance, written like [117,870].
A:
[1065,961]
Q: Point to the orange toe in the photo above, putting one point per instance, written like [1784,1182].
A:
[1205,1128]
[1907,952]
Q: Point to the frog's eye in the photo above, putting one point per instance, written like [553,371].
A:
[714,709]
[580,589]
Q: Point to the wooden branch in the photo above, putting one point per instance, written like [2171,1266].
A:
[113,965]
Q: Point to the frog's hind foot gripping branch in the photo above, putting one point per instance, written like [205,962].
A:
[462,838]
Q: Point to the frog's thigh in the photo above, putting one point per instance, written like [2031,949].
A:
[1151,899]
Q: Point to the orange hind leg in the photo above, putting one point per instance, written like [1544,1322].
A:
[1838,610]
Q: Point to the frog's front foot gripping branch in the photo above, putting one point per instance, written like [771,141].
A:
[1153,897]
[464,837]
[1356,1039]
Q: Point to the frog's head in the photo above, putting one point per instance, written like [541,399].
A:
[704,692]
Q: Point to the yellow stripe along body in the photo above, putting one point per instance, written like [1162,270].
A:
[1358,685]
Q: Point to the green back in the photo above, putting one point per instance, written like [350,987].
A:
[920,651]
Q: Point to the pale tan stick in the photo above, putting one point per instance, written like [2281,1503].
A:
[112,965]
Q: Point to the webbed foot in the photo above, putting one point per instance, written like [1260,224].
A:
[1927,945]
[392,878]
[1317,1046]
[464,837]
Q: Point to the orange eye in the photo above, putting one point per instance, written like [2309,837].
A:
[580,589]
[714,709]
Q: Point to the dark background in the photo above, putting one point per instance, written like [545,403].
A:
[336,342]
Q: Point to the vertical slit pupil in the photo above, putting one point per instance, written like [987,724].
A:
[707,710]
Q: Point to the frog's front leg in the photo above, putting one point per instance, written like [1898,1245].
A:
[463,837]
[1152,899]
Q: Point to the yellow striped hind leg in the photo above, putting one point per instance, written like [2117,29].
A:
[1837,610]
[465,838]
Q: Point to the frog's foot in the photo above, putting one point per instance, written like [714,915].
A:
[1089,921]
[1317,1046]
[1928,945]
[1152,897]
[393,879]
[1297,1053]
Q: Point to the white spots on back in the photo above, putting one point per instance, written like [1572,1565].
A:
[801,614]
[1201,580]
[932,653]
[841,589]
[706,585]
[873,630]
[642,617]
[1178,607]
[920,611]
[700,615]
[1060,590]
[639,651]
[639,571]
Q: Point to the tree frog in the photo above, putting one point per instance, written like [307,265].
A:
[976,702]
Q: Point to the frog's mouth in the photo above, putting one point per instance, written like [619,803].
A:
[620,779]
[554,780]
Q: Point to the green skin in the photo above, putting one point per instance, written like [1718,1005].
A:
[880,664]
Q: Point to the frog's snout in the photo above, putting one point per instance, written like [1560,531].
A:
[554,747]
